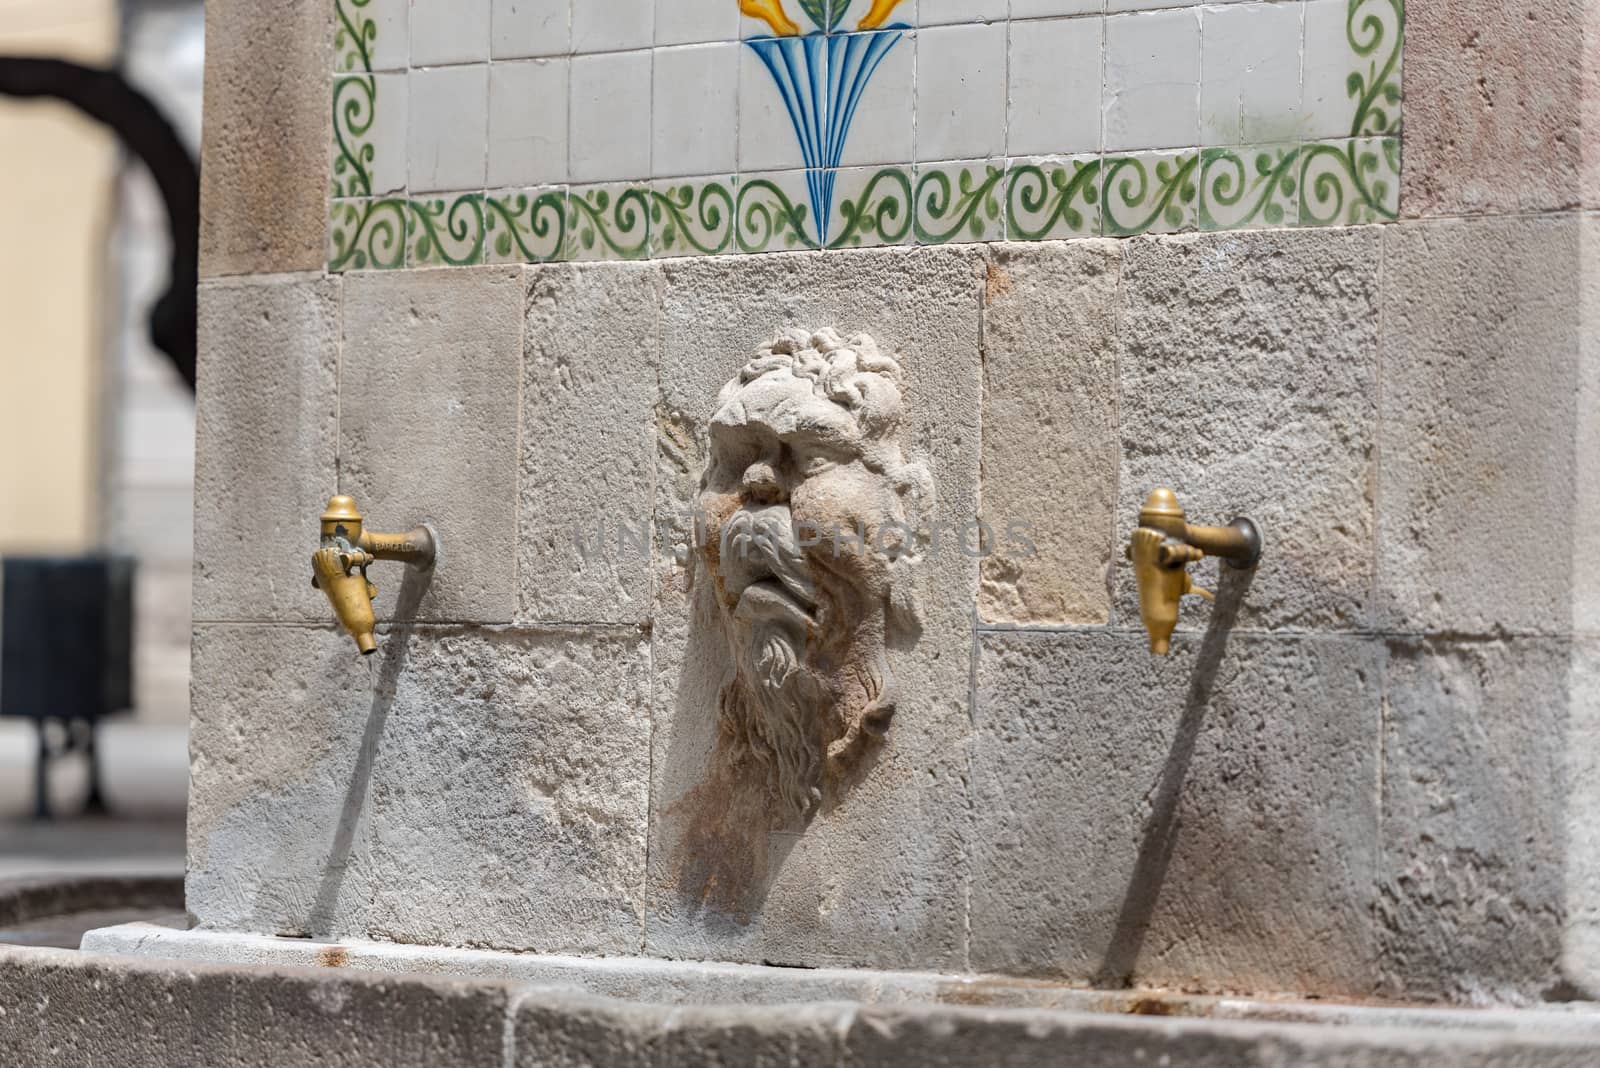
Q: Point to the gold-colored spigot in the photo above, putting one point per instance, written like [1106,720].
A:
[1163,547]
[339,567]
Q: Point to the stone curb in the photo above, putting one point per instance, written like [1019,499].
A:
[60,1007]
[36,898]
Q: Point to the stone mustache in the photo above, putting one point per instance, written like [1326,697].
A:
[811,510]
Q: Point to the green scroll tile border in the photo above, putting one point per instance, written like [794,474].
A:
[1348,180]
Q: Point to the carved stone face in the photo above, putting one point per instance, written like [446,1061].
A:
[810,508]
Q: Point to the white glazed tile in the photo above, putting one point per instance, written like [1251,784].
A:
[960,202]
[695,109]
[946,12]
[683,22]
[1053,97]
[612,25]
[609,129]
[525,225]
[449,31]
[610,221]
[384,116]
[449,128]
[385,26]
[1049,197]
[767,137]
[774,212]
[1256,186]
[1150,193]
[1327,109]
[1034,9]
[1113,6]
[445,231]
[1152,80]
[521,29]
[1250,80]
[871,206]
[961,99]
[528,122]
[881,128]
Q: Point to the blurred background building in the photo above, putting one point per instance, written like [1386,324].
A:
[96,425]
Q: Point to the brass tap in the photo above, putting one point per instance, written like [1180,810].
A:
[1163,547]
[339,567]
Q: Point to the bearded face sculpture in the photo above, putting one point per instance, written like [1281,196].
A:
[811,512]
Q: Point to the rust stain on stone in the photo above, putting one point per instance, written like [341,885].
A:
[332,957]
[996,282]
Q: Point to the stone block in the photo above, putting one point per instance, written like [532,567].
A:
[1050,448]
[589,442]
[756,1036]
[281,739]
[1493,105]
[265,167]
[510,789]
[266,442]
[1477,414]
[567,1031]
[1586,520]
[428,431]
[1206,820]
[1475,796]
[878,876]
[1581,951]
[1248,370]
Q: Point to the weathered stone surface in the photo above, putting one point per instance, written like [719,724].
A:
[588,442]
[878,876]
[1474,814]
[551,1031]
[753,1037]
[1248,367]
[1203,820]
[264,173]
[1480,376]
[266,439]
[1493,105]
[1050,448]
[510,788]
[1580,963]
[279,758]
[1586,503]
[428,429]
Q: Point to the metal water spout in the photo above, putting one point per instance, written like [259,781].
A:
[1163,547]
[339,567]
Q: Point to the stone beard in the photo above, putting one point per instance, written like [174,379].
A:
[810,508]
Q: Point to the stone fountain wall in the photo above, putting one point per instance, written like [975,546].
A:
[1369,770]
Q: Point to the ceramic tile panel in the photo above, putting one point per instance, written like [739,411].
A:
[502,131]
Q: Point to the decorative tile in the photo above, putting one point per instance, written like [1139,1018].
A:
[528,122]
[445,231]
[1152,90]
[1053,197]
[774,212]
[1150,193]
[612,25]
[371,35]
[1054,84]
[366,235]
[879,128]
[449,31]
[1250,88]
[608,222]
[525,225]
[1352,67]
[612,128]
[369,134]
[871,206]
[960,202]
[696,109]
[608,133]
[693,217]
[449,128]
[682,23]
[1256,186]
[523,29]
[961,72]
[1356,180]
